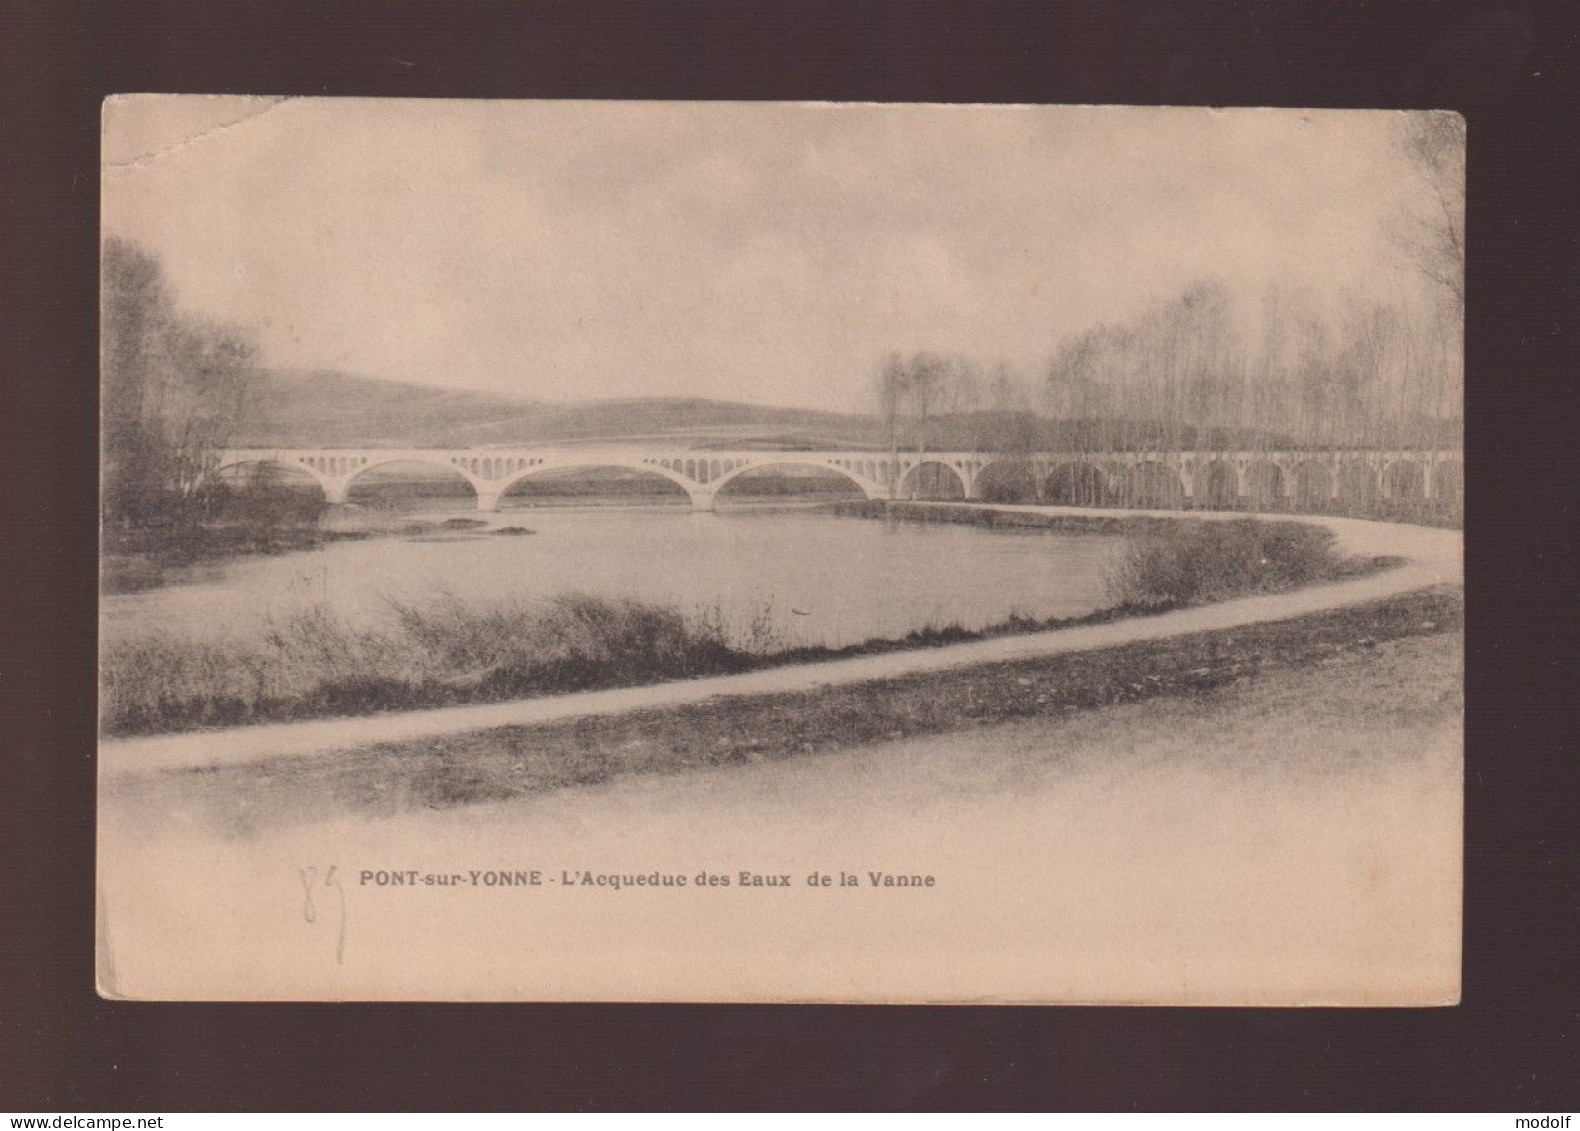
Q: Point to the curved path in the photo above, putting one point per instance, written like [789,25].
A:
[1431,557]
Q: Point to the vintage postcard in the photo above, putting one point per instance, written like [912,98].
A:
[610,551]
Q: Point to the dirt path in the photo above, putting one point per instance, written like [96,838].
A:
[1431,557]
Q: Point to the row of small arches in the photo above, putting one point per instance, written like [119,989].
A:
[335,465]
[489,467]
[884,471]
[699,470]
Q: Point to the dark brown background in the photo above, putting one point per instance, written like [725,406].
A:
[1510,67]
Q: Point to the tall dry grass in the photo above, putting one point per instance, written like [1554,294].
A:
[437,652]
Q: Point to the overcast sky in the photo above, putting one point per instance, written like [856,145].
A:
[770,253]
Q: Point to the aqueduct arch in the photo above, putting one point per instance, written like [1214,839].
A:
[453,473]
[1404,479]
[1151,483]
[845,473]
[1010,479]
[1357,481]
[498,490]
[1219,484]
[1312,484]
[911,481]
[1264,480]
[293,473]
[1076,483]
[235,462]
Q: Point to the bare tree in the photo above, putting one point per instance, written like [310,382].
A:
[1433,238]
[173,386]
[1009,434]
[890,388]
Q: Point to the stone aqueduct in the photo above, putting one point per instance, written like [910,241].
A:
[1142,478]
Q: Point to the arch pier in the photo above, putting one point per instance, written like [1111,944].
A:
[1189,479]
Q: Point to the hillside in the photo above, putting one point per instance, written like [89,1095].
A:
[306,408]
[299,408]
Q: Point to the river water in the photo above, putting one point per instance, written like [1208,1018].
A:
[805,576]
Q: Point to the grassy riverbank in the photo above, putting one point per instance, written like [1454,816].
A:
[136,560]
[1377,667]
[974,514]
[989,518]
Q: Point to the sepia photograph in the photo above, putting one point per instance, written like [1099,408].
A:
[780,552]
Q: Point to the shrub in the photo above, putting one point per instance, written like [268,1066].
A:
[1194,561]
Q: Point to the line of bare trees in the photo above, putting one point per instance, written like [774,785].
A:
[1189,375]
[1207,371]
[1186,376]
